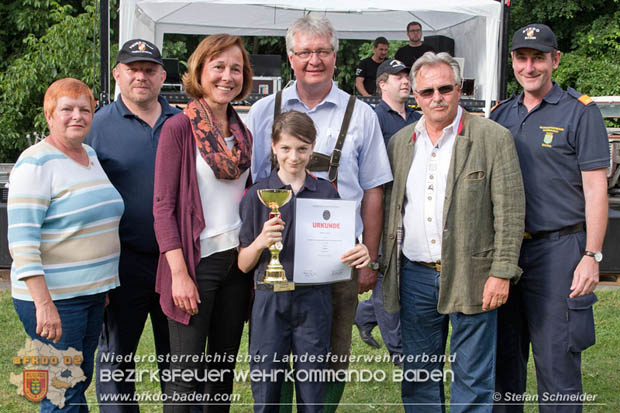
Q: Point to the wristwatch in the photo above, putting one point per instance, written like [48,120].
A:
[597,255]
[374,265]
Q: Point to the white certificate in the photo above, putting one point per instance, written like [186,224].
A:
[324,230]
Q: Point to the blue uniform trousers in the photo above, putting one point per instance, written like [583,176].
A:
[371,313]
[297,322]
[124,319]
[539,312]
[424,333]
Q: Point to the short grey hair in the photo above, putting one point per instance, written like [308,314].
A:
[383,77]
[312,25]
[432,59]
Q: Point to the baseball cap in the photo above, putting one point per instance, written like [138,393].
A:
[391,66]
[138,50]
[535,36]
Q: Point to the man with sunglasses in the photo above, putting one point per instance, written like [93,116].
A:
[564,154]
[362,167]
[453,227]
[413,50]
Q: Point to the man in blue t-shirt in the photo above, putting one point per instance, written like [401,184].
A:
[563,151]
[125,136]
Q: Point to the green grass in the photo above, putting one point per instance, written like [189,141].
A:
[601,369]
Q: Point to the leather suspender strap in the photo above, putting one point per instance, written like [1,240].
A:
[319,161]
[278,104]
[334,159]
[276,111]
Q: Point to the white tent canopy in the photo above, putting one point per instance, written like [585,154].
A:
[473,24]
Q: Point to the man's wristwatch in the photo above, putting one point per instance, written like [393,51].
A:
[597,255]
[374,265]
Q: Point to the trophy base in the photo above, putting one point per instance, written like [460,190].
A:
[276,287]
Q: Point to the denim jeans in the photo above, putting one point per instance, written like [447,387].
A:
[81,319]
[424,333]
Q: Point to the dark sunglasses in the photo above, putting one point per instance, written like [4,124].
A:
[444,90]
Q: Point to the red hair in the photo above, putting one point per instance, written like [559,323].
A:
[69,87]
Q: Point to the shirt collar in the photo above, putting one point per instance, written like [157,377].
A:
[552,97]
[166,109]
[450,130]
[290,95]
[388,108]
[276,183]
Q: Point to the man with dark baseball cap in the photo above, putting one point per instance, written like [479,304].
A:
[138,50]
[394,114]
[563,152]
[394,87]
[125,136]
[535,36]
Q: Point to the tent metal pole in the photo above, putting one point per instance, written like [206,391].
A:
[503,77]
[104,52]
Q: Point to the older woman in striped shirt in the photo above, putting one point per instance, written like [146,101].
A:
[63,216]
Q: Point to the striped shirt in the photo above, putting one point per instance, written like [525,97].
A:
[63,222]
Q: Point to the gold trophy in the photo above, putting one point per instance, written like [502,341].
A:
[274,275]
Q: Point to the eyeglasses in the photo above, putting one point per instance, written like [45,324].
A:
[444,90]
[321,53]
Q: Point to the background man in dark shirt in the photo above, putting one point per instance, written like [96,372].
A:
[394,87]
[411,52]
[366,72]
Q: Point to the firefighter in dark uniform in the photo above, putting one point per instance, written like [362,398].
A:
[563,151]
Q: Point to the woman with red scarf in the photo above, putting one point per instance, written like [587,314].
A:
[201,172]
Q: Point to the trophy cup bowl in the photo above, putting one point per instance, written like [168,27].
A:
[275,275]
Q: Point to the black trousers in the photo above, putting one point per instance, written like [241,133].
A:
[124,319]
[224,294]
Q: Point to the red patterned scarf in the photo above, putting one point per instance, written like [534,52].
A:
[225,163]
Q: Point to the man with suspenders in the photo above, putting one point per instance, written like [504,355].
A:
[349,151]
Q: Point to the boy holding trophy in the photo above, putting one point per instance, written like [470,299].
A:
[289,320]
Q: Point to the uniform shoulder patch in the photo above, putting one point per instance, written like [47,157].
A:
[584,99]
[501,102]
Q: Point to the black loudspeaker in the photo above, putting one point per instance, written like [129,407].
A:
[5,257]
[171,66]
[440,44]
[611,246]
[266,64]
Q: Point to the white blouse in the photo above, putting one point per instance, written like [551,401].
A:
[220,207]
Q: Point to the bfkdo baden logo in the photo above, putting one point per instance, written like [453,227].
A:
[35,384]
[47,372]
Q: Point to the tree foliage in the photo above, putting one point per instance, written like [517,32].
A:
[23,17]
[44,58]
[588,34]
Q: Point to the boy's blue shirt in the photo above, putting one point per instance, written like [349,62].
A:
[254,214]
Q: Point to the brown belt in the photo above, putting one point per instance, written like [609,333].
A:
[434,265]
